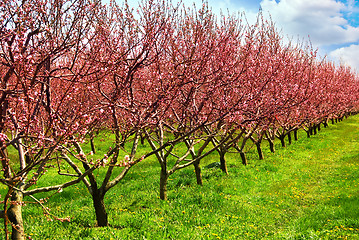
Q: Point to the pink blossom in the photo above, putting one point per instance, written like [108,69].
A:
[3,137]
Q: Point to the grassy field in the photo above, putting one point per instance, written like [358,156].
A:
[309,190]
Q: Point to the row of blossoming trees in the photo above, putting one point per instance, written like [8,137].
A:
[166,75]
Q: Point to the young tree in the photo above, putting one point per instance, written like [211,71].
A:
[123,90]
[198,63]
[35,39]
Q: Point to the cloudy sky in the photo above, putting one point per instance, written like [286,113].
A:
[332,25]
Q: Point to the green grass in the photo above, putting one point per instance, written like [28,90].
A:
[308,190]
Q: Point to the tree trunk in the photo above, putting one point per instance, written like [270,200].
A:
[100,210]
[308,133]
[319,127]
[295,133]
[289,138]
[282,141]
[15,216]
[197,170]
[93,149]
[259,150]
[142,140]
[325,124]
[223,162]
[311,130]
[4,161]
[244,159]
[315,130]
[163,184]
[271,145]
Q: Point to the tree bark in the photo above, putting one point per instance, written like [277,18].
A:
[271,145]
[100,210]
[315,130]
[93,149]
[244,159]
[325,124]
[15,216]
[282,141]
[5,161]
[163,184]
[259,150]
[223,162]
[308,133]
[142,140]
[197,170]
[311,130]
[295,133]
[289,138]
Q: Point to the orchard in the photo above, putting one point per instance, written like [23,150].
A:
[163,75]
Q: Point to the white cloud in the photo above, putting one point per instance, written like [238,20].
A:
[322,20]
[326,22]
[347,55]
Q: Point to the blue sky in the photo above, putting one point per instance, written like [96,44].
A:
[332,25]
